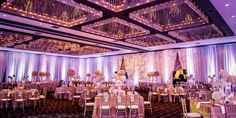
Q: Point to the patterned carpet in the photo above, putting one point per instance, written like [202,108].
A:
[64,109]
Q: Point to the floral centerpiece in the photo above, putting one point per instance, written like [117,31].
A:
[88,76]
[119,78]
[35,74]
[212,78]
[42,75]
[26,78]
[218,96]
[71,73]
[48,74]
[11,77]
[98,76]
[152,75]
[222,74]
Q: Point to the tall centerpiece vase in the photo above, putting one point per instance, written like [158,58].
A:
[42,76]
[88,77]
[48,74]
[34,75]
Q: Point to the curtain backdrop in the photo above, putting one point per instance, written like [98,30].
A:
[2,64]
[199,61]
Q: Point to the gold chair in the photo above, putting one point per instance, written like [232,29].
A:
[175,93]
[77,94]
[44,95]
[164,94]
[105,104]
[5,97]
[121,104]
[185,113]
[34,96]
[19,98]
[148,103]
[88,105]
[133,105]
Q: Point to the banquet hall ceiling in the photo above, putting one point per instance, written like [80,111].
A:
[104,26]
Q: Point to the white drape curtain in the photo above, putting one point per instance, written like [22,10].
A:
[199,61]
[2,64]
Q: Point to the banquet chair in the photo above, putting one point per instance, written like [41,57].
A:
[155,94]
[88,105]
[34,96]
[19,98]
[44,95]
[5,97]
[60,92]
[230,111]
[133,105]
[148,103]
[185,113]
[77,93]
[105,104]
[176,93]
[164,95]
[121,104]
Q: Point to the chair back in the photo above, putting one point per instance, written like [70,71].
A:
[88,93]
[121,100]
[33,93]
[19,94]
[105,100]
[133,99]
[184,107]
[45,91]
[5,94]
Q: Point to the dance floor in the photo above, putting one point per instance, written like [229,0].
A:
[64,109]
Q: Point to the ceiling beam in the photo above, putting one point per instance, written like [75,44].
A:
[64,34]
[123,15]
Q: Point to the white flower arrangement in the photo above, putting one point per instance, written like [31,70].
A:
[217,95]
[223,74]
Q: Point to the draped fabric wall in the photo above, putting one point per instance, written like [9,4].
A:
[2,65]
[199,61]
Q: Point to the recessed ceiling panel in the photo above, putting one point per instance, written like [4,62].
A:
[151,40]
[61,47]
[61,12]
[120,5]
[8,39]
[171,15]
[115,28]
[197,33]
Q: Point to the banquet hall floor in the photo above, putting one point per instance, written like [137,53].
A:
[64,109]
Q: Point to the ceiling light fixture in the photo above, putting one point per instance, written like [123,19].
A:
[226,5]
